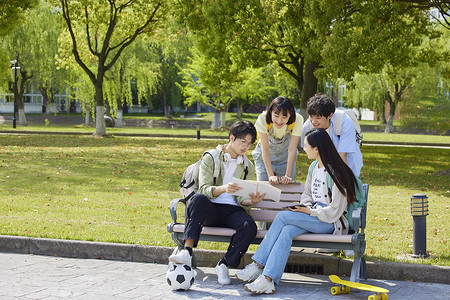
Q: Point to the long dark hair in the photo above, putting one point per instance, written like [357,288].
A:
[341,174]
[281,105]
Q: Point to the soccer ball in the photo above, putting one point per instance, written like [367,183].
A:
[180,277]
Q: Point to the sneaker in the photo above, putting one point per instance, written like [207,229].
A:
[182,257]
[222,274]
[260,286]
[249,273]
[349,253]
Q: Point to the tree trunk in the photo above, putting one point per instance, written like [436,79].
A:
[222,118]
[22,117]
[100,127]
[309,87]
[44,94]
[390,123]
[119,119]
[238,108]
[21,109]
[87,113]
[165,104]
[216,120]
[383,113]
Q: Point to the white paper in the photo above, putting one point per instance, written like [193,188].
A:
[252,186]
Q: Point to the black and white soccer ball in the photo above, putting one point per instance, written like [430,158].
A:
[180,277]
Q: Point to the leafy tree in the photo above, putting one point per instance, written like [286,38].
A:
[173,53]
[106,28]
[138,65]
[443,7]
[12,15]
[34,46]
[309,39]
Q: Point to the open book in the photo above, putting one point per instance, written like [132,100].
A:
[252,186]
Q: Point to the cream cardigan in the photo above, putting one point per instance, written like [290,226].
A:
[335,208]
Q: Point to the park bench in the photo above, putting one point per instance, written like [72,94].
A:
[266,211]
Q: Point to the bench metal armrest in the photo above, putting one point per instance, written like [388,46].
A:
[173,207]
[356,218]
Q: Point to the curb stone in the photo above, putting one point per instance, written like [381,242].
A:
[209,258]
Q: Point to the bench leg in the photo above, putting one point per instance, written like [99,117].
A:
[359,268]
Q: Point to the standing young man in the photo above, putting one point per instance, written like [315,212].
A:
[320,109]
[216,206]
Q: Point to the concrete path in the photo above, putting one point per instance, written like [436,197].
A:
[24,276]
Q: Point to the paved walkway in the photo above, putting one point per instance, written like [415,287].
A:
[24,276]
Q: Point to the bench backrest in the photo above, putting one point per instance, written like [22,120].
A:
[266,210]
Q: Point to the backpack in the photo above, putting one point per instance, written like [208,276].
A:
[339,117]
[189,181]
[360,197]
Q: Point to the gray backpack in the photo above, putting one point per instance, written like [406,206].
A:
[189,181]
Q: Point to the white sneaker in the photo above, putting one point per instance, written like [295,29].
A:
[249,273]
[182,257]
[260,286]
[222,274]
[349,253]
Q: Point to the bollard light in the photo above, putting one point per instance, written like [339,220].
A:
[198,132]
[419,212]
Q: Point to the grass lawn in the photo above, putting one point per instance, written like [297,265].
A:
[368,136]
[118,189]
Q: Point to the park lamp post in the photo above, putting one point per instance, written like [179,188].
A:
[15,66]
[419,212]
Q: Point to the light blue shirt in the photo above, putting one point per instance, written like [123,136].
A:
[345,143]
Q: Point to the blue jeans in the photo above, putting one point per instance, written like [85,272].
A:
[274,250]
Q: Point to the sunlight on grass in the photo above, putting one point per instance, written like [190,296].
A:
[118,189]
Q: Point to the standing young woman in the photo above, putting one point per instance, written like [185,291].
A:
[320,211]
[279,129]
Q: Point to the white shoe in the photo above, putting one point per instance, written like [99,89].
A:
[260,286]
[182,257]
[349,253]
[249,273]
[222,274]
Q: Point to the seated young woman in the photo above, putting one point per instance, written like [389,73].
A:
[320,211]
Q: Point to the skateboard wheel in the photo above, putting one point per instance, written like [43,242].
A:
[384,297]
[373,297]
[335,290]
[345,289]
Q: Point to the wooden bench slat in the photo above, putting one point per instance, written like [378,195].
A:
[273,205]
[296,187]
[313,237]
[264,215]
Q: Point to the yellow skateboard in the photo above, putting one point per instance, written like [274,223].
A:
[345,285]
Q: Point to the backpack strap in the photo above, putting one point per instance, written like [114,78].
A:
[338,119]
[290,126]
[245,167]
[216,163]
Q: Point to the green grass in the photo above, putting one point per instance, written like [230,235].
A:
[118,189]
[368,136]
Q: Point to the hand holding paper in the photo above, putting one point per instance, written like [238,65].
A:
[251,186]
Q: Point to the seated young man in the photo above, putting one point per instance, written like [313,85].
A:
[320,109]
[215,205]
